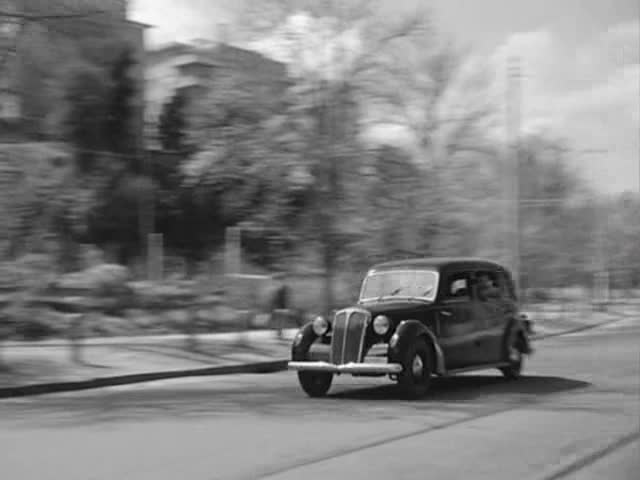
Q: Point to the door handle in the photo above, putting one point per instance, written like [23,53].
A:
[446,313]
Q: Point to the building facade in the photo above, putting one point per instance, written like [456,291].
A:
[40,38]
[195,69]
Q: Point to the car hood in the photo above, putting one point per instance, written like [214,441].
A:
[395,308]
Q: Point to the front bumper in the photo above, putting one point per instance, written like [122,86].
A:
[353,368]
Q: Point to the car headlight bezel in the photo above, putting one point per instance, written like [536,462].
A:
[381,325]
[320,326]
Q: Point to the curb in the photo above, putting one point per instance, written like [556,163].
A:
[57,387]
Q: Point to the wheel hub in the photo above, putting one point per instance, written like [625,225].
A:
[417,366]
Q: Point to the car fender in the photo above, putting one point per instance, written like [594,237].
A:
[302,342]
[406,332]
[517,327]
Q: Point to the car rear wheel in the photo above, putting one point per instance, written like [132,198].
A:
[315,384]
[514,359]
[415,379]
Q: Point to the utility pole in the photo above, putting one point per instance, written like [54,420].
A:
[512,167]
[601,278]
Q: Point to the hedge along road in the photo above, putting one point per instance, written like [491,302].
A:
[577,407]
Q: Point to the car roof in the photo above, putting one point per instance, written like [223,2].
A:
[439,263]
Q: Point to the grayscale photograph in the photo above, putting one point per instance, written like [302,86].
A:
[319,239]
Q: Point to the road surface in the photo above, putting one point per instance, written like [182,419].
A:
[575,415]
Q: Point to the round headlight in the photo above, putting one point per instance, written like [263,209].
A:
[381,324]
[320,326]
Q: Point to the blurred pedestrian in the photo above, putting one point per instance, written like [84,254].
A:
[279,302]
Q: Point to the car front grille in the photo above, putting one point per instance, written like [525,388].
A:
[347,342]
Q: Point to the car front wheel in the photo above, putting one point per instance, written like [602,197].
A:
[315,384]
[415,379]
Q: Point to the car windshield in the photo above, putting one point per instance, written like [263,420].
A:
[400,283]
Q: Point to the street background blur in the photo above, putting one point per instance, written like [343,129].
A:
[152,190]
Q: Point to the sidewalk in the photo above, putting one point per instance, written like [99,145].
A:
[45,367]
[171,339]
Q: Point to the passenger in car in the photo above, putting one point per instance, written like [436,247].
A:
[486,287]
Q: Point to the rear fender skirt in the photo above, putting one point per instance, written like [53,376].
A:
[407,332]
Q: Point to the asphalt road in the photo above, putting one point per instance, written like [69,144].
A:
[576,414]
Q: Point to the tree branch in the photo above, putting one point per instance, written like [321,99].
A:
[464,128]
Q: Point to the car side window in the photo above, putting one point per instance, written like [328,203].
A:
[506,287]
[457,287]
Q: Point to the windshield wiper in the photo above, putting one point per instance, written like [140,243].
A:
[418,299]
[392,294]
[414,298]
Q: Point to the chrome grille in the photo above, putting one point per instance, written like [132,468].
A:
[349,328]
[338,335]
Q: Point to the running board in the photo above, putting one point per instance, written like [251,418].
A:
[474,368]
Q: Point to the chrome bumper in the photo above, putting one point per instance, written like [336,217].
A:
[383,368]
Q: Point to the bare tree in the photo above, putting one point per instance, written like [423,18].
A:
[334,50]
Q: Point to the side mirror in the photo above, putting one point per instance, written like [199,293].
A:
[528,327]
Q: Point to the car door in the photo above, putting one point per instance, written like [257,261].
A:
[456,326]
[488,307]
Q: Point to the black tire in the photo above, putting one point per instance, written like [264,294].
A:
[315,384]
[514,357]
[415,379]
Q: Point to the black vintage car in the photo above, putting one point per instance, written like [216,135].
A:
[415,319]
